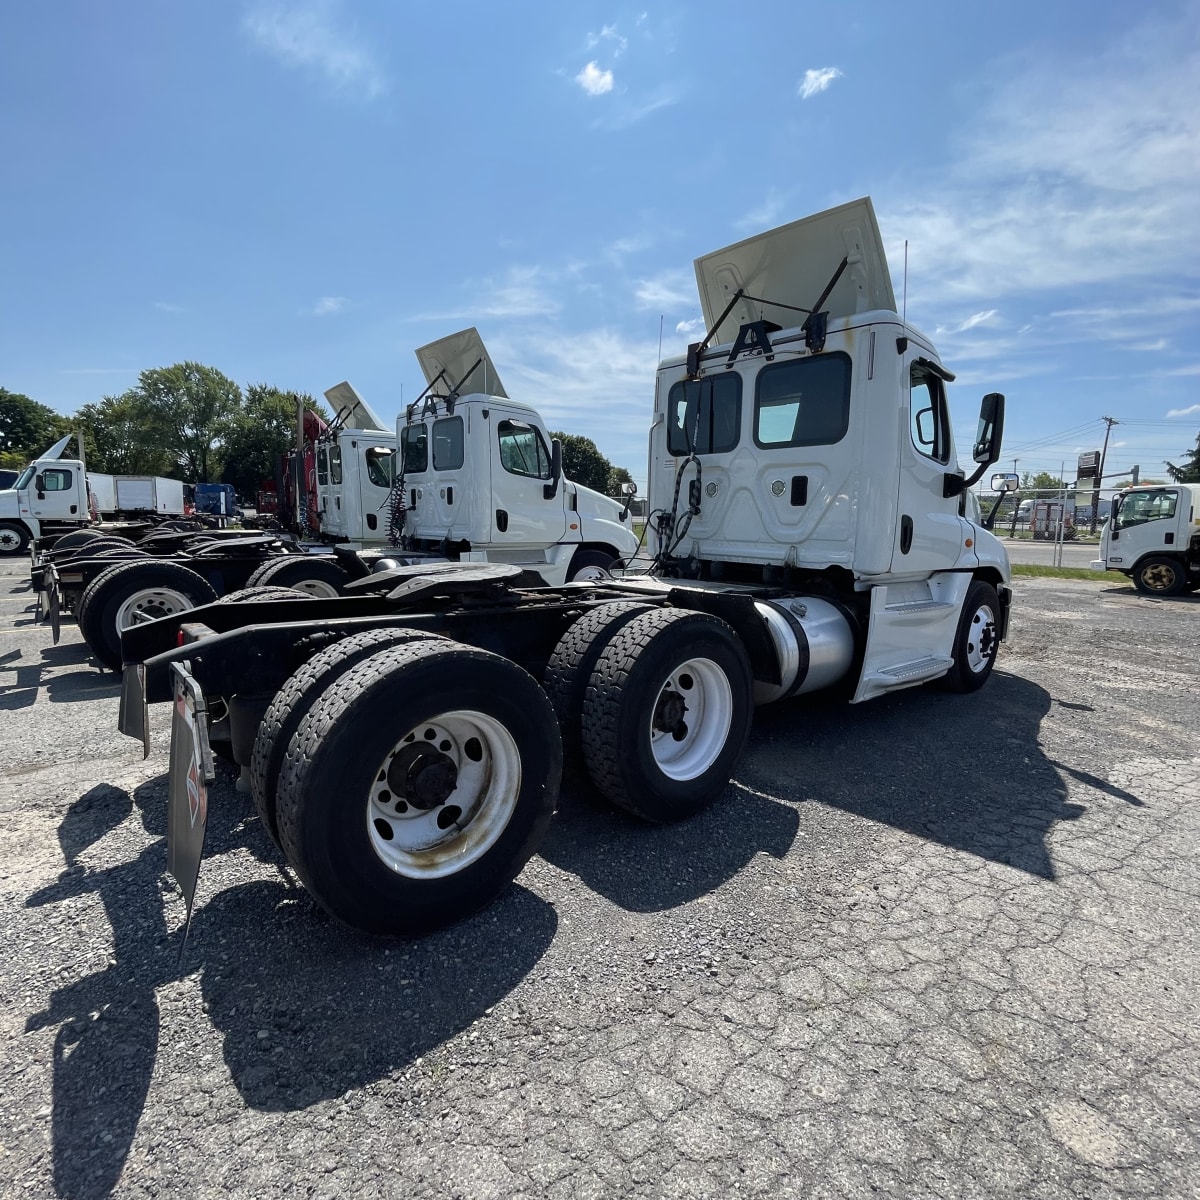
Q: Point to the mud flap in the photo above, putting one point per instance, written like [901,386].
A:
[133,719]
[187,791]
[53,602]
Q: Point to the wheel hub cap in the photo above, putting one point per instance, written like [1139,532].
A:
[423,775]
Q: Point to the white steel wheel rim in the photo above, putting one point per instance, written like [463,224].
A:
[150,604]
[10,539]
[432,843]
[695,742]
[1158,577]
[316,587]
[592,574]
[981,639]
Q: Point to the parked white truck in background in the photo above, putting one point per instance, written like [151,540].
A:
[805,501]
[56,495]
[482,478]
[354,466]
[1153,536]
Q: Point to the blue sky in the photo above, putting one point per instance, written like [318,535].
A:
[302,192]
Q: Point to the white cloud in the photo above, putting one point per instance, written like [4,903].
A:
[520,292]
[670,289]
[609,37]
[979,318]
[817,80]
[597,383]
[696,325]
[1182,372]
[595,81]
[163,306]
[328,305]
[309,35]
[1064,183]
[1190,411]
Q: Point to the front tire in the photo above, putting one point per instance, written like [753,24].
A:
[975,642]
[1160,577]
[14,539]
[129,591]
[418,786]
[590,566]
[667,713]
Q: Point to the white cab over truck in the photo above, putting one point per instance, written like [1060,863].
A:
[1153,535]
[482,479]
[404,743]
[354,465]
[56,495]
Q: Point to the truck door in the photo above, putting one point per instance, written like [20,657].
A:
[929,531]
[329,490]
[1146,521]
[56,494]
[375,489]
[521,514]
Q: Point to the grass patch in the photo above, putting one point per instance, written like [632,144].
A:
[1038,571]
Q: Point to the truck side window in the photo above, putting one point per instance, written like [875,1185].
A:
[56,479]
[322,465]
[335,464]
[928,417]
[803,403]
[704,416]
[449,446]
[1139,507]
[380,460]
[522,450]
[415,443]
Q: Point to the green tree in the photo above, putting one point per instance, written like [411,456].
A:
[262,429]
[121,439]
[187,408]
[583,463]
[1189,471]
[1043,481]
[27,428]
[617,477]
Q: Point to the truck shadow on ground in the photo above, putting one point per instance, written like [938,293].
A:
[650,868]
[338,1010]
[20,681]
[967,772]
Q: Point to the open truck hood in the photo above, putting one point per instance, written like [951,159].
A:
[350,410]
[456,355]
[793,265]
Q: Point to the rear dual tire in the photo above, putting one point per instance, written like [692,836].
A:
[418,785]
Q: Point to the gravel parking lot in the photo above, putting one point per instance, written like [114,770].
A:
[926,946]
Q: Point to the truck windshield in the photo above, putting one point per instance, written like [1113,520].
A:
[25,476]
[1136,508]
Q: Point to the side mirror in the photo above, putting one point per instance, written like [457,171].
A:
[988,436]
[39,481]
[550,490]
[629,489]
[1005,483]
[991,429]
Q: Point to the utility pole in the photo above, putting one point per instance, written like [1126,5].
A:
[1109,423]
[1016,502]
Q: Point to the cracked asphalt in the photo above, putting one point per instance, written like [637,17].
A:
[929,946]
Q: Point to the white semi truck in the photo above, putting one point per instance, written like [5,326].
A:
[404,743]
[1152,535]
[482,480]
[56,495]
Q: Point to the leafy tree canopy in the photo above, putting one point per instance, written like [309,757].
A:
[262,429]
[1189,470]
[583,463]
[187,408]
[119,439]
[27,428]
